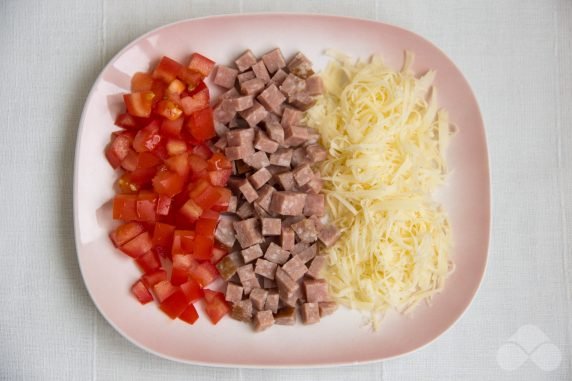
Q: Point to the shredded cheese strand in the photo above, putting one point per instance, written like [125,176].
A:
[386,139]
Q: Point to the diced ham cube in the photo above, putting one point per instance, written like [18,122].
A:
[246,76]
[245,61]
[263,143]
[291,117]
[327,308]
[226,268]
[275,131]
[288,203]
[282,157]
[329,234]
[240,137]
[265,196]
[247,191]
[316,290]
[286,316]
[317,265]
[231,93]
[221,143]
[247,232]
[295,135]
[271,226]
[287,238]
[258,160]
[233,293]
[252,86]
[263,320]
[241,169]
[240,152]
[220,130]
[272,301]
[299,157]
[265,268]
[224,232]
[241,103]
[315,205]
[251,253]
[307,254]
[303,174]
[259,178]
[295,268]
[242,310]
[299,247]
[269,283]
[301,100]
[232,204]
[290,300]
[225,76]
[260,71]
[272,99]
[276,254]
[245,210]
[260,211]
[292,85]
[316,153]
[306,230]
[223,112]
[310,313]
[254,115]
[246,273]
[286,180]
[274,60]
[314,186]
[300,65]
[313,137]
[279,77]
[250,284]
[258,298]
[314,85]
[286,284]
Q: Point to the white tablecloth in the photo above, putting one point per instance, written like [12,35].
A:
[516,54]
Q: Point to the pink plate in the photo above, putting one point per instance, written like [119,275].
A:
[339,339]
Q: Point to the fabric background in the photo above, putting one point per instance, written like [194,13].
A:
[517,55]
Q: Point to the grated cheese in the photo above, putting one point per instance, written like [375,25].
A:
[386,139]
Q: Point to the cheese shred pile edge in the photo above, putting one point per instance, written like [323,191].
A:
[386,139]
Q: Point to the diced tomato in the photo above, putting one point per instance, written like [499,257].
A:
[163,235]
[200,87]
[190,77]
[118,149]
[151,279]
[179,164]
[168,183]
[159,89]
[202,150]
[218,253]
[220,178]
[182,242]
[196,102]
[176,87]
[163,205]
[168,109]
[210,214]
[139,104]
[179,276]
[201,64]
[181,265]
[172,128]
[138,245]
[148,262]
[130,122]
[167,69]
[198,166]
[126,185]
[131,182]
[125,207]
[222,203]
[215,307]
[204,194]
[161,151]
[191,210]
[205,227]
[129,163]
[147,138]
[147,160]
[192,290]
[176,147]
[141,82]
[189,315]
[201,124]
[146,205]
[203,247]
[163,290]
[218,161]
[204,274]
[141,292]
[175,304]
[126,232]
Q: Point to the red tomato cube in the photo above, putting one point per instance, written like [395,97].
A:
[196,102]
[163,290]
[189,315]
[172,128]
[138,245]
[141,82]
[151,279]
[118,149]
[201,64]
[205,227]
[146,205]
[192,290]
[125,207]
[126,233]
[175,304]
[201,124]
[163,235]
[148,262]
[163,205]
[191,210]
[179,164]
[215,306]
[168,183]
[203,247]
[139,104]
[167,69]
[147,138]
[141,292]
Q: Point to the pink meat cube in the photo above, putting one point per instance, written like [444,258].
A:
[276,254]
[251,253]
[315,205]
[248,191]
[245,61]
[287,239]
[303,174]
[247,232]
[225,76]
[271,226]
[265,268]
[272,99]
[318,264]
[295,268]
[258,298]
[263,320]
[288,203]
[274,60]
[263,143]
[310,313]
[260,71]
[282,157]
[316,290]
[259,178]
[233,293]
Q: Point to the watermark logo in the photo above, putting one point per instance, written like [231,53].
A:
[529,343]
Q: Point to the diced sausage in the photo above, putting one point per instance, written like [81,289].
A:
[240,137]
[300,65]
[265,196]
[225,76]
[247,191]
[306,230]
[308,253]
[251,253]
[286,180]
[303,174]
[288,203]
[314,85]
[315,205]
[295,135]
[260,71]
[292,85]
[240,152]
[254,115]
[265,268]
[274,60]
[272,99]
[252,86]
[245,61]
[247,232]
[263,143]
[291,117]
[272,301]
[327,308]
[258,298]
[282,157]
[246,76]
[317,265]
[316,290]
[263,320]
[233,293]
[259,178]
[271,226]
[279,77]
[286,284]
[329,234]
[276,254]
[287,238]
[295,268]
[310,313]
[275,131]
[258,160]
[245,210]
[242,310]
[224,232]
[316,153]
[286,316]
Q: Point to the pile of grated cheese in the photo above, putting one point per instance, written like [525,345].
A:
[386,139]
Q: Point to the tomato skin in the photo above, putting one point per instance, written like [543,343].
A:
[125,207]
[139,104]
[201,64]
[175,304]
[205,227]
[196,102]
[189,315]
[141,82]
[192,291]
[146,205]
[141,293]
[147,160]
[172,128]
[138,245]
[201,124]
[168,183]
[125,233]
[152,278]
[163,290]
[118,149]
[148,262]
[203,247]
[167,69]
[202,150]
[147,138]
[163,235]
[215,307]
